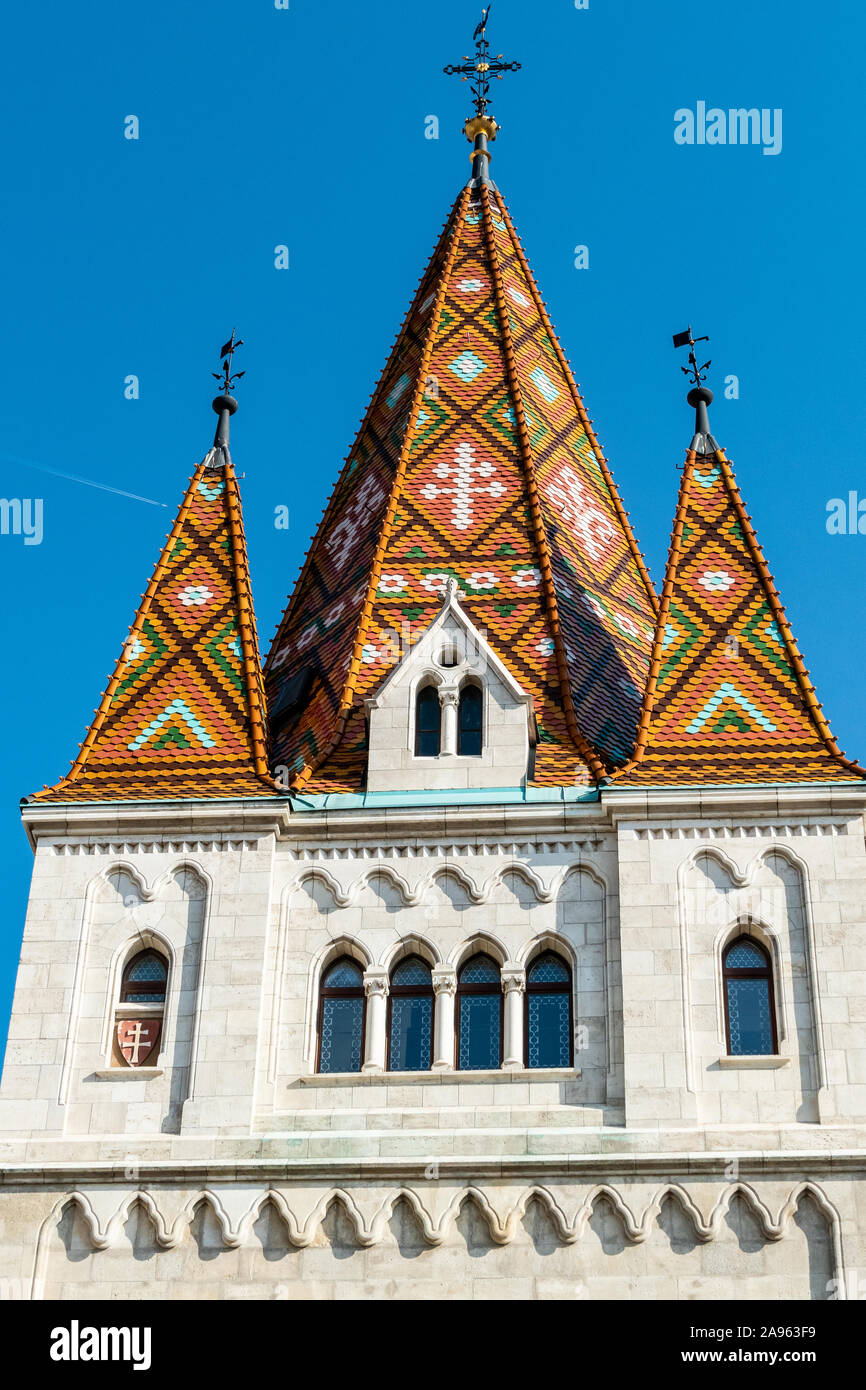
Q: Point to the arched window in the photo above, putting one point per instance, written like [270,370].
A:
[341,1017]
[470,731]
[549,1035]
[410,1016]
[428,723]
[140,1010]
[750,1011]
[479,1015]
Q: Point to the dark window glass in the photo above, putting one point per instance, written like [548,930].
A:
[410,1007]
[341,1017]
[428,723]
[144,979]
[749,1006]
[469,721]
[479,1015]
[548,1013]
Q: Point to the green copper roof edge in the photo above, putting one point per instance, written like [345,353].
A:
[494,796]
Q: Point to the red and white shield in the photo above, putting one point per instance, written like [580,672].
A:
[137,1038]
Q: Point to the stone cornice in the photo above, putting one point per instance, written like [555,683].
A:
[594,1167]
[163,820]
[742,802]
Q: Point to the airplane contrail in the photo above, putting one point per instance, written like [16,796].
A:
[88,482]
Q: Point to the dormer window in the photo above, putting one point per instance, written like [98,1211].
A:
[470,722]
[428,723]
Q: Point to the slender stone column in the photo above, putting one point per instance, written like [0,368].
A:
[444,988]
[376,990]
[448,700]
[513,987]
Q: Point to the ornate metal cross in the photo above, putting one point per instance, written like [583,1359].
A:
[483,68]
[227,351]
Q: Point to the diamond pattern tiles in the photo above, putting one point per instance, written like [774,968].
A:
[183,714]
[476,461]
[729,699]
[318,635]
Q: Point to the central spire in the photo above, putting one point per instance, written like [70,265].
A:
[481,128]
[476,462]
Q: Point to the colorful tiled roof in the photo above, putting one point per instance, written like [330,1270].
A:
[477,460]
[183,714]
[728,699]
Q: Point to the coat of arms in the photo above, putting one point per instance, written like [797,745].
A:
[137,1039]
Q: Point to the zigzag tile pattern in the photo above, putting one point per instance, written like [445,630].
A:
[183,714]
[461,383]
[729,699]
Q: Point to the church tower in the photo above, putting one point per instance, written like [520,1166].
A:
[502,937]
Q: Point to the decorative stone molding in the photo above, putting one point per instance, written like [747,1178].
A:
[787,830]
[436,1205]
[443,849]
[513,979]
[419,892]
[444,980]
[376,983]
[69,848]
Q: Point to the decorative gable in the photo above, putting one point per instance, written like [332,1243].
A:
[423,725]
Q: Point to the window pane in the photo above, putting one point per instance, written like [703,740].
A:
[428,718]
[344,975]
[749,1017]
[150,968]
[480,970]
[411,972]
[469,727]
[479,1032]
[342,1022]
[411,1032]
[548,970]
[549,1030]
[744,956]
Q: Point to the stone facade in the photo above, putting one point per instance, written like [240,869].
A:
[656,1166]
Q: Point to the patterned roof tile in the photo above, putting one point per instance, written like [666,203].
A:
[729,699]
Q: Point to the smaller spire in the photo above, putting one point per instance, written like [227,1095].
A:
[700,395]
[480,70]
[225,404]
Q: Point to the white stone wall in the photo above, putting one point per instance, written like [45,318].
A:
[655,1167]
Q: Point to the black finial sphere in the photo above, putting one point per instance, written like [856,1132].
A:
[699,394]
[221,403]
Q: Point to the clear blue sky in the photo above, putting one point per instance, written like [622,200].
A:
[260,127]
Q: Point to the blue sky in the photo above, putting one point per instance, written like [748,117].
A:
[306,127]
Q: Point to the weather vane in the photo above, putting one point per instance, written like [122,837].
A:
[226,376]
[692,370]
[483,68]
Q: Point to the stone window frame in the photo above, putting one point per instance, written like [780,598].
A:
[768,939]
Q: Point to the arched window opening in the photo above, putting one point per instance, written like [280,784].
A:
[140,1010]
[341,1017]
[470,732]
[750,1010]
[479,1015]
[410,1016]
[549,1034]
[428,723]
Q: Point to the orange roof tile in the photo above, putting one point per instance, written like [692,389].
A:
[729,699]
[183,714]
[476,460]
